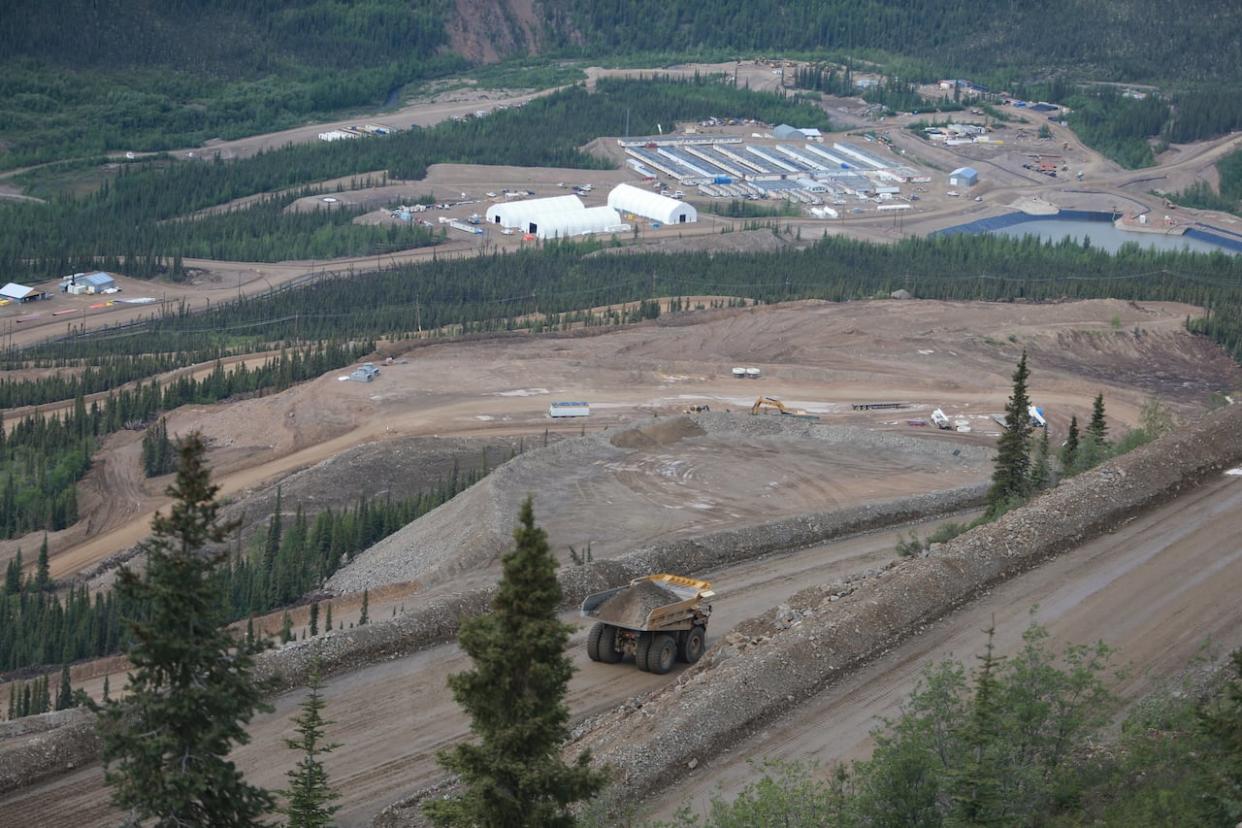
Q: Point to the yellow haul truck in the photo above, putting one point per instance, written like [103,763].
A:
[658,619]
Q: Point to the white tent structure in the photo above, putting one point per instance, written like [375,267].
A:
[556,218]
[627,198]
[582,223]
[530,215]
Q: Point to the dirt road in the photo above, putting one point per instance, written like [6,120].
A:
[389,742]
[1157,590]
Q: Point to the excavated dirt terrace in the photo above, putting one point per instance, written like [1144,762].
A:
[671,477]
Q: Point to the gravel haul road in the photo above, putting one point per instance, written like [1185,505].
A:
[392,717]
[1158,590]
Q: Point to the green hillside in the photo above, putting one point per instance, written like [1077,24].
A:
[148,75]
[87,77]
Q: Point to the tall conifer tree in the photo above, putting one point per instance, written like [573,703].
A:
[1011,479]
[165,745]
[515,696]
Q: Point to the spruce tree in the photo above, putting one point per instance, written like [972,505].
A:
[165,745]
[106,691]
[13,575]
[976,786]
[515,696]
[286,628]
[43,571]
[1041,473]
[1069,451]
[309,797]
[1011,479]
[1097,429]
[64,694]
[362,619]
[327,619]
[314,619]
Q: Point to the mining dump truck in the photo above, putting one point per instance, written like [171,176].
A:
[659,620]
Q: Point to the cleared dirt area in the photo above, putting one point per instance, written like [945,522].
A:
[669,478]
[817,356]
[1159,590]
[388,744]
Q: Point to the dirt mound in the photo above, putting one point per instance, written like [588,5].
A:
[631,606]
[669,479]
[661,433]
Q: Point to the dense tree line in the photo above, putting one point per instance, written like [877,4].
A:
[131,215]
[1023,740]
[536,287]
[159,453]
[159,76]
[1125,128]
[40,627]
[1120,40]
[43,457]
[1228,197]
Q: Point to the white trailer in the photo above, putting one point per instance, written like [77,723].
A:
[563,410]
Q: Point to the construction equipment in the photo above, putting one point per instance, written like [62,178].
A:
[768,402]
[772,402]
[941,420]
[697,409]
[658,619]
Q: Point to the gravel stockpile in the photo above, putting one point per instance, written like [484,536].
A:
[436,620]
[666,479]
[631,606]
[794,652]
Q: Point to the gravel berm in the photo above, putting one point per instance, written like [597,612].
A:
[436,620]
[744,681]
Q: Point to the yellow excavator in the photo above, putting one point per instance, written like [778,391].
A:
[772,402]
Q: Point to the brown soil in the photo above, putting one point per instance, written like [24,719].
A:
[663,433]
[816,356]
[631,606]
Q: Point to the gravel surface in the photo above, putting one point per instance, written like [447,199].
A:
[631,606]
[668,478]
[766,666]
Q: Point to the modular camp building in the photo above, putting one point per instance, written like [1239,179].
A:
[626,198]
[964,177]
[14,292]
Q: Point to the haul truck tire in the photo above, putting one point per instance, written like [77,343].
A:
[692,645]
[601,643]
[661,654]
[641,649]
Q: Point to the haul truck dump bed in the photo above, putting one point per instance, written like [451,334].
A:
[659,619]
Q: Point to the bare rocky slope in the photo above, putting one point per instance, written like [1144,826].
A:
[670,478]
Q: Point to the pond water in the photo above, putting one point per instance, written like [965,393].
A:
[1104,235]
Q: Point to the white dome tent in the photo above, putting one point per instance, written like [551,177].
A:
[626,198]
[556,218]
[530,215]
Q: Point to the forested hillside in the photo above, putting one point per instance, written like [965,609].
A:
[143,75]
[1111,39]
[147,75]
[127,220]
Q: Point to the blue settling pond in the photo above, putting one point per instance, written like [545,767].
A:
[1098,227]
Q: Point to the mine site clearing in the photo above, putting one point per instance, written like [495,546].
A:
[819,357]
[654,465]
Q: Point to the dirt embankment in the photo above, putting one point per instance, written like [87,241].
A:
[437,619]
[667,478]
[747,679]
